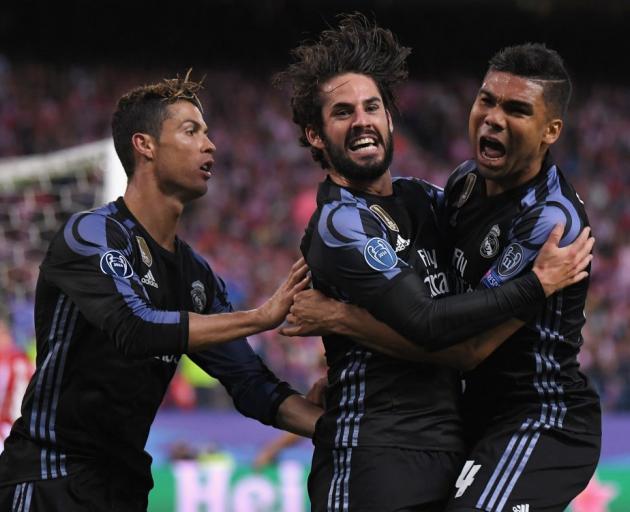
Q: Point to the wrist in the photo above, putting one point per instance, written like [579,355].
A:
[259,319]
[547,288]
[341,320]
[336,319]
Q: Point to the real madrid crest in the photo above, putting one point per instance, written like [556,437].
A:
[198,295]
[147,259]
[490,244]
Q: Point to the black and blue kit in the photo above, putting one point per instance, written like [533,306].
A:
[390,438]
[111,315]
[531,418]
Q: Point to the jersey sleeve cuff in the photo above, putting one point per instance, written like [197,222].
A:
[279,395]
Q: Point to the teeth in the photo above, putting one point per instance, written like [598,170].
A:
[363,142]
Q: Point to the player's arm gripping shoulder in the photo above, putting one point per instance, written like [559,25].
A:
[365,266]
[529,233]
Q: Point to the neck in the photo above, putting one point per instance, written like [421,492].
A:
[381,186]
[158,213]
[516,179]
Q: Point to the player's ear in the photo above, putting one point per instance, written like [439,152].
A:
[390,123]
[552,131]
[144,145]
[313,137]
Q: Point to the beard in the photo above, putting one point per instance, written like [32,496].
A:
[353,171]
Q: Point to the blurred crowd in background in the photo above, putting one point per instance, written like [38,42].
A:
[262,193]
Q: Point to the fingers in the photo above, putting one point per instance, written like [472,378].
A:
[580,244]
[316,393]
[293,330]
[296,330]
[576,278]
[308,295]
[298,264]
[296,275]
[585,249]
[582,275]
[301,285]
[306,300]
[556,235]
[294,327]
[297,272]
[584,262]
[579,273]
[583,237]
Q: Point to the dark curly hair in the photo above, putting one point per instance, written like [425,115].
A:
[535,61]
[144,109]
[355,46]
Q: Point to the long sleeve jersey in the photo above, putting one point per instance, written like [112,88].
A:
[534,377]
[111,315]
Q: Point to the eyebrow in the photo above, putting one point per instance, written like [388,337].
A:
[195,123]
[346,104]
[523,105]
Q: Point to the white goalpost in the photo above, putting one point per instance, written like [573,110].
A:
[37,194]
[20,172]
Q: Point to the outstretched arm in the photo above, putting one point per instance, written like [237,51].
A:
[91,262]
[300,416]
[207,330]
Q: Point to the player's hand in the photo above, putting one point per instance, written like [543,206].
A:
[558,267]
[317,392]
[273,312]
[312,314]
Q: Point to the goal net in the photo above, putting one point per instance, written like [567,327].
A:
[37,194]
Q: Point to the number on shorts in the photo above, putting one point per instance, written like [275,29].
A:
[466,477]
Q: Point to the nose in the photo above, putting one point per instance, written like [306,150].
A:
[361,118]
[208,146]
[495,118]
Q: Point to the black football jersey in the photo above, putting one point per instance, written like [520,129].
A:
[357,245]
[111,315]
[534,376]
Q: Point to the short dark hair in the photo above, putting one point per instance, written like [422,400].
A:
[537,62]
[144,109]
[355,46]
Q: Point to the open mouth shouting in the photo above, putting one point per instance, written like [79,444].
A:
[491,150]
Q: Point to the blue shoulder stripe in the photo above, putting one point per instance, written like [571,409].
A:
[549,206]
[86,234]
[341,224]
